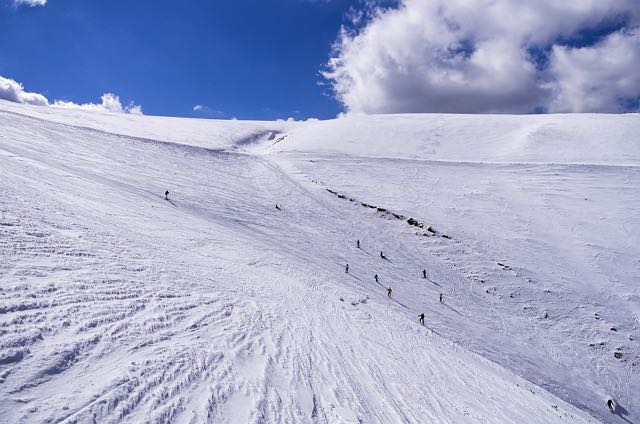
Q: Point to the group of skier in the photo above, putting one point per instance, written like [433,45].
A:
[389,289]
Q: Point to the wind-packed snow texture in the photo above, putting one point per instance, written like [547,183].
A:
[117,305]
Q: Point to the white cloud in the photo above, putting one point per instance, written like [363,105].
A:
[13,91]
[488,56]
[30,3]
[598,78]
[109,103]
[208,111]
[134,109]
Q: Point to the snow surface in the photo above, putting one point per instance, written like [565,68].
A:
[119,306]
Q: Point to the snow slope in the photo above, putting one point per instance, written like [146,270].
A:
[565,138]
[209,133]
[118,306]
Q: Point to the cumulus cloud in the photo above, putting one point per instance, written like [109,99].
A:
[30,3]
[512,56]
[13,91]
[604,77]
[109,103]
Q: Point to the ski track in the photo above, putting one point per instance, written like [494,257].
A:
[117,306]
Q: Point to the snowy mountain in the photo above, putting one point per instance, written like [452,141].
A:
[117,305]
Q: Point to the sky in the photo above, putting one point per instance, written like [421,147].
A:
[279,59]
[256,59]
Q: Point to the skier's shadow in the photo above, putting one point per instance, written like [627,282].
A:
[620,411]
[174,205]
[353,276]
[454,310]
[401,304]
[432,330]
[433,282]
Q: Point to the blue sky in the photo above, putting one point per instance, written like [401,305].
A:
[255,59]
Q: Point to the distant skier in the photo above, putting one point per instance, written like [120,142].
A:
[440,297]
[611,405]
[346,269]
[166,195]
[389,292]
[421,316]
[358,244]
[424,273]
[382,255]
[278,207]
[376,277]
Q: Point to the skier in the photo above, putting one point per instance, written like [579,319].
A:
[382,255]
[421,316]
[376,277]
[358,244]
[424,273]
[612,406]
[346,269]
[389,292]
[166,195]
[278,207]
[440,297]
